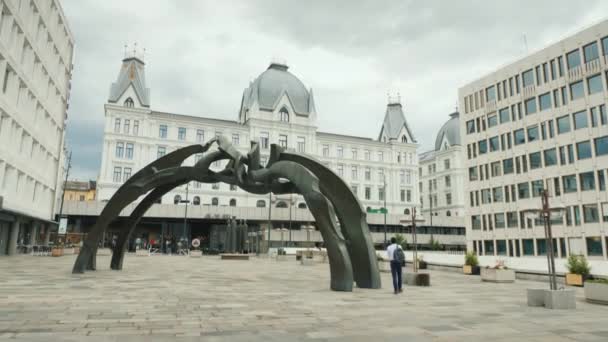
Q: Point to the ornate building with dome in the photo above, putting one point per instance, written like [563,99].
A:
[276,108]
[441,182]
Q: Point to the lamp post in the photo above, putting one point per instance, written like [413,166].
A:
[546,214]
[269,215]
[414,240]
[384,193]
[290,210]
[186,201]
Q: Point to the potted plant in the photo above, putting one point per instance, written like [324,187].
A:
[596,291]
[421,263]
[471,264]
[499,273]
[57,250]
[578,270]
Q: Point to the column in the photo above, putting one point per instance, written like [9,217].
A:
[34,233]
[47,234]
[12,243]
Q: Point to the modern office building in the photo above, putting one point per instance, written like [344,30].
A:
[276,108]
[441,185]
[539,123]
[36,50]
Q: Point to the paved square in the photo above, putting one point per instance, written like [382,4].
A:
[177,298]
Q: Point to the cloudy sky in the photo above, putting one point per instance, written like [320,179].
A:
[201,55]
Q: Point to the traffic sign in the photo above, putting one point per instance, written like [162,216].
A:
[377,211]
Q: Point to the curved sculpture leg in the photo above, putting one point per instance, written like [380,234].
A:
[307,184]
[129,227]
[353,223]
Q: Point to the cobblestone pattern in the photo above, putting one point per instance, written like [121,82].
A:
[177,298]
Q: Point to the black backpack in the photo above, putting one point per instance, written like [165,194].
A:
[398,255]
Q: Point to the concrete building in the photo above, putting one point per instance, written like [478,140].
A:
[539,123]
[441,185]
[80,191]
[275,108]
[36,50]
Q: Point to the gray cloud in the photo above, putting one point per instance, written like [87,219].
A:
[201,54]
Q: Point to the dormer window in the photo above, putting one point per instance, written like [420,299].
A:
[284,115]
[404,139]
[129,103]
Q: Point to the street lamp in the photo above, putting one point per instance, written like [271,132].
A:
[186,201]
[385,210]
[290,210]
[412,222]
[548,213]
[269,216]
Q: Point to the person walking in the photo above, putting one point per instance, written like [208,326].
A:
[397,258]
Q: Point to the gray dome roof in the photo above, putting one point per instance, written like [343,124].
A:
[269,87]
[451,130]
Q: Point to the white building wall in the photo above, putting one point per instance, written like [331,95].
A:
[574,235]
[36,49]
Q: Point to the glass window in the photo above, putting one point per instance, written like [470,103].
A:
[490,93]
[301,145]
[492,120]
[560,66]
[265,142]
[120,147]
[569,183]
[532,133]
[161,151]
[580,119]
[136,127]
[551,129]
[235,139]
[590,213]
[550,157]
[470,126]
[117,174]
[504,115]
[594,84]
[475,222]
[535,161]
[563,124]
[528,78]
[181,133]
[507,166]
[499,222]
[590,51]
[523,190]
[283,140]
[117,126]
[537,188]
[594,246]
[200,135]
[129,151]
[587,180]
[519,136]
[528,246]
[483,146]
[127,125]
[340,151]
[573,59]
[583,150]
[601,146]
[577,90]
[603,116]
[497,194]
[494,145]
[605,46]
[530,106]
[473,173]
[544,101]
[162,131]
[127,173]
[601,180]
[495,168]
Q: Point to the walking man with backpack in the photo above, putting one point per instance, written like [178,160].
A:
[397,257]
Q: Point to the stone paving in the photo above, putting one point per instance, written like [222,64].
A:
[162,298]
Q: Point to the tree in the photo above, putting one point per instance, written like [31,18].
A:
[401,240]
[435,245]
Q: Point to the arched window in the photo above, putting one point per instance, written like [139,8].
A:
[129,103]
[281,204]
[233,202]
[406,211]
[284,115]
[215,201]
[196,200]
[260,204]
[177,199]
[448,213]
[302,205]
[404,139]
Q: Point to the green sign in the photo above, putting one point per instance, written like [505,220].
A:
[377,211]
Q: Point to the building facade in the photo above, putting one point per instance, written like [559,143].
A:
[36,51]
[539,123]
[276,108]
[441,184]
[80,191]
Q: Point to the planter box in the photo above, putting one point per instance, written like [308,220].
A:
[596,293]
[417,279]
[196,254]
[307,261]
[472,270]
[552,299]
[422,265]
[57,252]
[496,275]
[384,266]
[573,279]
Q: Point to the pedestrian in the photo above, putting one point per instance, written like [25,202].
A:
[397,258]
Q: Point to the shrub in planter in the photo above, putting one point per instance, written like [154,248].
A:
[57,250]
[578,270]
[421,263]
[471,263]
[596,291]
